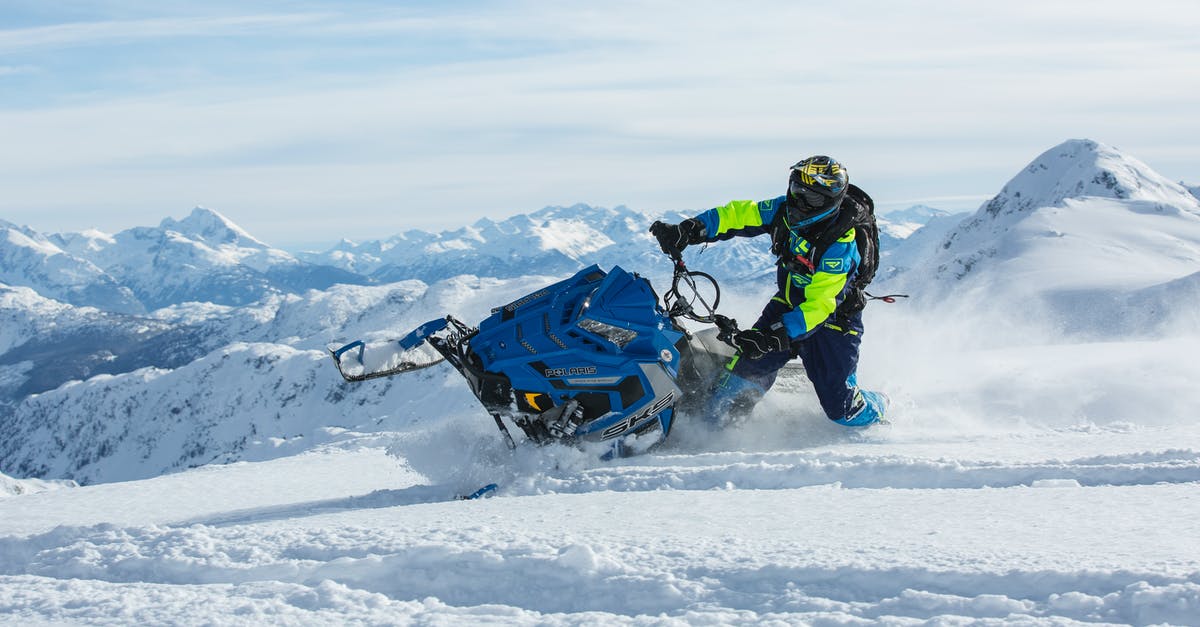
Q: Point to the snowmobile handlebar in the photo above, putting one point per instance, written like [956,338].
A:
[683,304]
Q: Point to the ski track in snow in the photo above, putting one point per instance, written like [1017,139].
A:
[558,546]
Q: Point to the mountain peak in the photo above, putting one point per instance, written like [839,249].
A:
[1079,168]
[211,227]
[916,213]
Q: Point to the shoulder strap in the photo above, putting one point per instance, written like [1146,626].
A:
[867,237]
[779,233]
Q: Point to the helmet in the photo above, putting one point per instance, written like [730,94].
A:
[815,190]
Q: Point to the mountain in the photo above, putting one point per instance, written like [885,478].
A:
[1081,221]
[204,257]
[262,389]
[230,277]
[897,226]
[915,214]
[29,259]
[554,240]
[56,344]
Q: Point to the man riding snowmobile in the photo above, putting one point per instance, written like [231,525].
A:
[816,313]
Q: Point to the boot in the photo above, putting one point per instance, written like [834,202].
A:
[868,408]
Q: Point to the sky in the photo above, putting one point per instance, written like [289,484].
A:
[308,121]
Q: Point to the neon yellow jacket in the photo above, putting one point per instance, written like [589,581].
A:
[812,297]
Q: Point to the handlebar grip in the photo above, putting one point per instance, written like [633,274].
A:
[726,328]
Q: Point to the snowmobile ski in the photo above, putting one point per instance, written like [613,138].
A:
[480,493]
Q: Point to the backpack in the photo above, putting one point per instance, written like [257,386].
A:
[866,238]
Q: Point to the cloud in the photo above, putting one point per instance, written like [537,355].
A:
[497,108]
[104,32]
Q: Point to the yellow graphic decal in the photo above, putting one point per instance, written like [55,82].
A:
[531,399]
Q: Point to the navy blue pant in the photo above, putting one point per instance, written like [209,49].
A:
[830,358]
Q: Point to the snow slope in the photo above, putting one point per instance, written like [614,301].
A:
[14,487]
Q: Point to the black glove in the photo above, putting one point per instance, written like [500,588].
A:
[755,343]
[853,302]
[673,238]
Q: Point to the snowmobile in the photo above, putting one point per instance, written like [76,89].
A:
[592,361]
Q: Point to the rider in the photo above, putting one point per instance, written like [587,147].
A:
[814,314]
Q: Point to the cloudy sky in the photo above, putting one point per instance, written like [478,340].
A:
[308,121]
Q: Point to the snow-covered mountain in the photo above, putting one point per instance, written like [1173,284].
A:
[30,259]
[45,343]
[205,258]
[1078,226]
[898,225]
[553,240]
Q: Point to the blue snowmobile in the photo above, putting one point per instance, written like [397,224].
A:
[592,361]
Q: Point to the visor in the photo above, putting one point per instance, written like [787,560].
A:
[815,201]
[806,203]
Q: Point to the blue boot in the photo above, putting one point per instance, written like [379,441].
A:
[733,400]
[868,408]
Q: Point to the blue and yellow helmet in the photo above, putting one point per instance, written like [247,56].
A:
[816,188]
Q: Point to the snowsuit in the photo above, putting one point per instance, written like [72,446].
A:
[826,341]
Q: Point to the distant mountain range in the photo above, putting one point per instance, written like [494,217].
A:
[207,258]
[159,348]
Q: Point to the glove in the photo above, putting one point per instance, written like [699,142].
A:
[853,302]
[673,238]
[755,343]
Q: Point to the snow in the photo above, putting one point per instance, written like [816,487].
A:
[572,237]
[1036,484]
[1030,473]
[977,527]
[14,487]
[16,238]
